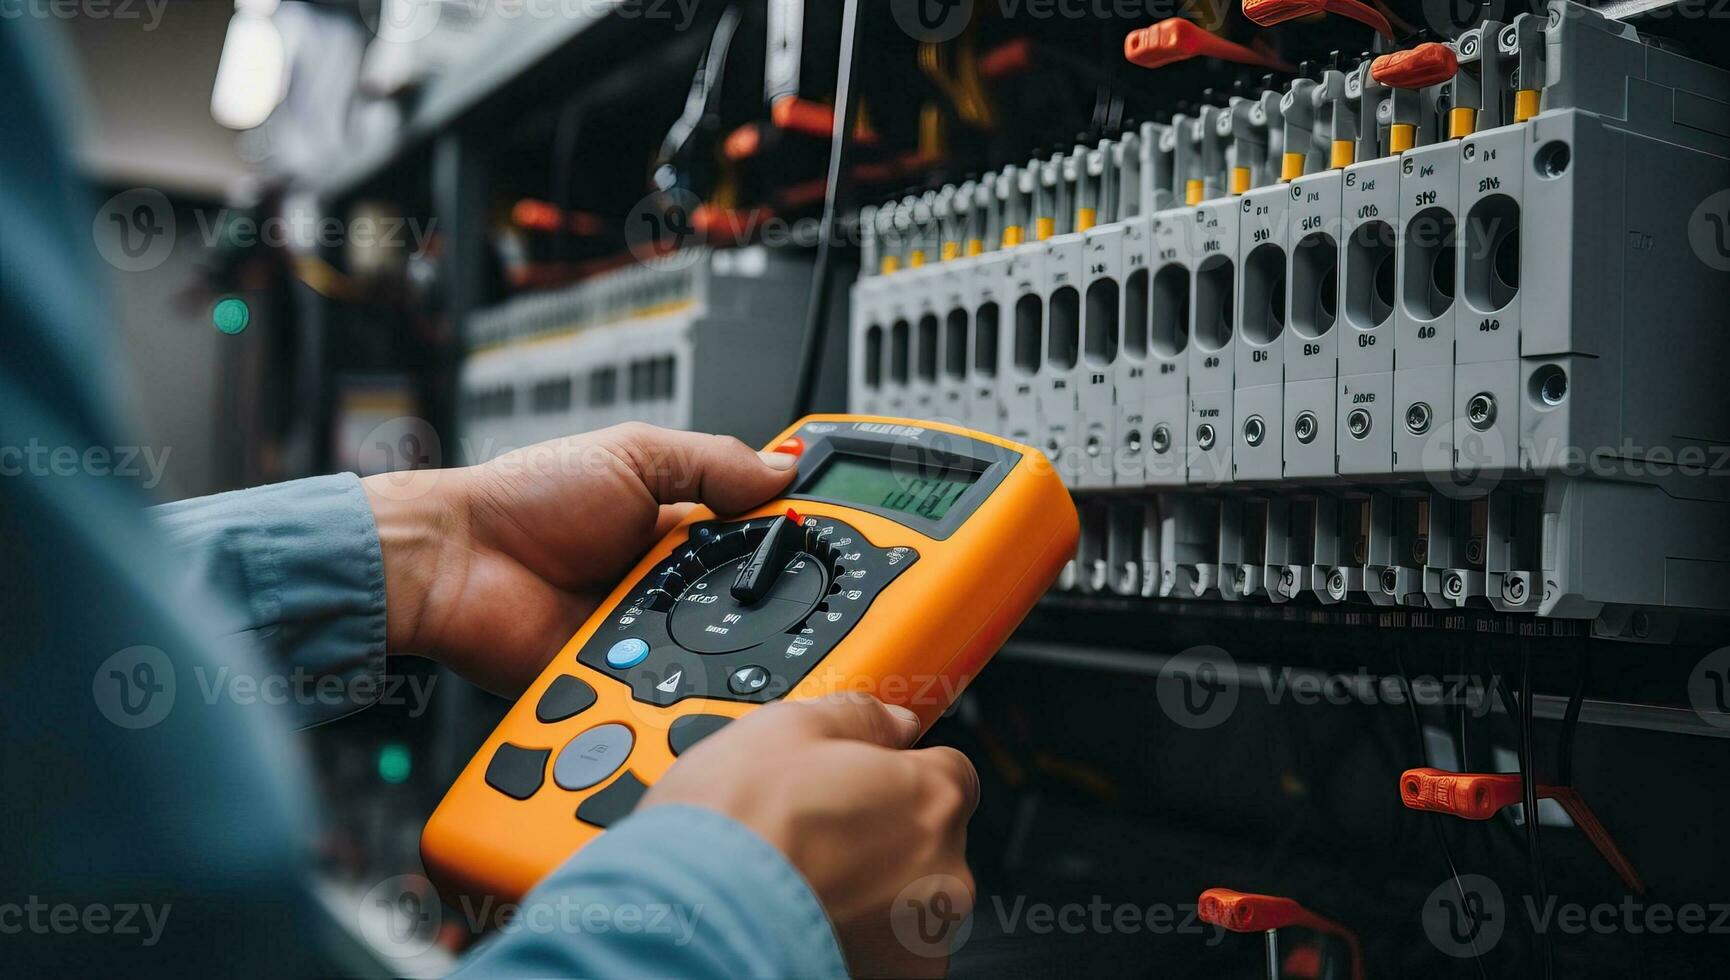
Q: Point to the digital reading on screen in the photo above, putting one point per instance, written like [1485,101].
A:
[877,482]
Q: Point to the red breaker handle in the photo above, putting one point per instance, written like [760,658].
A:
[1267,13]
[1481,795]
[1249,912]
[1414,68]
[1174,39]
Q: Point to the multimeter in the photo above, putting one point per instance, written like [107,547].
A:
[899,560]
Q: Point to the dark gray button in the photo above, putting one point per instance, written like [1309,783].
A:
[614,803]
[564,697]
[592,756]
[516,771]
[691,729]
[748,680]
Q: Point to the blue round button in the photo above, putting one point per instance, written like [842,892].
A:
[627,653]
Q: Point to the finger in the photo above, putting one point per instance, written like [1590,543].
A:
[669,518]
[856,716]
[719,471]
[954,767]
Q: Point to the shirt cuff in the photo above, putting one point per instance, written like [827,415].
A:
[303,565]
[675,890]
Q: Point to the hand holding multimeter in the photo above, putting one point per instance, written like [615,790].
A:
[899,560]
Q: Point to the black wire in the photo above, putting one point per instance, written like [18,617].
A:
[1435,820]
[1570,722]
[1460,714]
[835,191]
[1529,783]
[565,132]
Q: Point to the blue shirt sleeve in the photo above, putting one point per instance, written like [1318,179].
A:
[302,566]
[673,891]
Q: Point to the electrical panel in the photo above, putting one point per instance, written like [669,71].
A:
[662,341]
[1432,329]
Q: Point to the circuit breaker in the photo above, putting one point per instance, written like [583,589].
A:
[1430,329]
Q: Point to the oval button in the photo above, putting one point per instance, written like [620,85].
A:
[592,756]
[627,653]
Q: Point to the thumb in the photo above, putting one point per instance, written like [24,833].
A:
[719,471]
[858,716]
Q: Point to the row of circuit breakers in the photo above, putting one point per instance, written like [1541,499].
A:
[663,342]
[1444,330]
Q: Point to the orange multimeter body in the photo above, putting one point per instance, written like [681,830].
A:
[899,560]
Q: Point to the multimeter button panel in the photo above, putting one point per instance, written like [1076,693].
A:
[699,636]
[566,697]
[593,756]
[688,730]
[516,771]
[613,803]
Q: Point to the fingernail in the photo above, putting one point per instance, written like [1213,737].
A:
[778,461]
[905,715]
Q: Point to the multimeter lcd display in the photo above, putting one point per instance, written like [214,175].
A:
[876,482]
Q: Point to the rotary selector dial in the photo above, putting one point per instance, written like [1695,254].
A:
[752,586]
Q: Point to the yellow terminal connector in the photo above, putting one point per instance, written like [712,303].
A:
[1239,180]
[890,264]
[1525,104]
[1044,228]
[1192,191]
[951,250]
[975,247]
[1402,137]
[915,259]
[1013,235]
[1345,153]
[1085,218]
[1462,120]
[1291,166]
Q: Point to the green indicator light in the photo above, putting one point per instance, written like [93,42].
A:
[394,763]
[231,316]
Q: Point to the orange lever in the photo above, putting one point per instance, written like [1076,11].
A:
[1480,796]
[1267,13]
[1174,39]
[813,119]
[1420,67]
[1249,912]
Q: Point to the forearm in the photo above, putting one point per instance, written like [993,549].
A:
[302,565]
[673,891]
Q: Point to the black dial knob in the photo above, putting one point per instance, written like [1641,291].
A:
[710,618]
[757,576]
